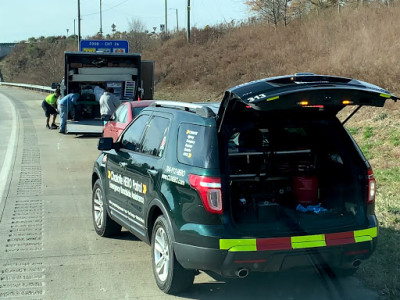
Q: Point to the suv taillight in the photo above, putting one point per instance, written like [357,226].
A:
[209,189]
[371,187]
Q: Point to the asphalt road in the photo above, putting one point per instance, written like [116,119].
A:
[49,249]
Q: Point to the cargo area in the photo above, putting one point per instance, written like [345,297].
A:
[294,173]
[90,74]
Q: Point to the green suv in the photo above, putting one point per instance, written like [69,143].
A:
[260,182]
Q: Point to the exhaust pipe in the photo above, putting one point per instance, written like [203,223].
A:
[356,263]
[242,273]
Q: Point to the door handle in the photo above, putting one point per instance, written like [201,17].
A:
[152,172]
[122,164]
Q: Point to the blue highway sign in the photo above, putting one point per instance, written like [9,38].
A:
[104,46]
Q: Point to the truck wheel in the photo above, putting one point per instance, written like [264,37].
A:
[170,276]
[103,224]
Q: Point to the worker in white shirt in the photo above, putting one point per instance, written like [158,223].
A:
[108,104]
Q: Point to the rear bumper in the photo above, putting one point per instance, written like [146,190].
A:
[227,263]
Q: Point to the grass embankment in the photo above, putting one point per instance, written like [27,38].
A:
[360,43]
[377,131]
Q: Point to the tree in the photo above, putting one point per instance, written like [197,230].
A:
[135,25]
[273,11]
[137,36]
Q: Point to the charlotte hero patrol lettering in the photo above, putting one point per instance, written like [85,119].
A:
[126,186]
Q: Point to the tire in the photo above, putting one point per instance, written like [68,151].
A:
[103,224]
[170,276]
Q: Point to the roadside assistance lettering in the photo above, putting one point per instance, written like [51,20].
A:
[126,186]
[125,212]
[190,142]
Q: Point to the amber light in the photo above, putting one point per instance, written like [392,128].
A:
[303,103]
[347,102]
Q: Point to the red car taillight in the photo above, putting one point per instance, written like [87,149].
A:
[371,187]
[209,189]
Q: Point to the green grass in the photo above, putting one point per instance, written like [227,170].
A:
[353,130]
[368,133]
[394,137]
[381,117]
[388,177]
[382,271]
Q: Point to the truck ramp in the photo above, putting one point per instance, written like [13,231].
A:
[93,126]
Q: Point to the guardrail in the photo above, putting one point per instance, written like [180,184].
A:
[40,88]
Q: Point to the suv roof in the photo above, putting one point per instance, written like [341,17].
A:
[204,109]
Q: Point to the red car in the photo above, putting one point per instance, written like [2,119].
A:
[122,116]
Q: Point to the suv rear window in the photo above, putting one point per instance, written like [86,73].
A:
[198,146]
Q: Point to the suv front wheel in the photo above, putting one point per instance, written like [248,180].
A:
[103,224]
[170,276]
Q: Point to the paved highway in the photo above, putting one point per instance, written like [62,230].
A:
[49,249]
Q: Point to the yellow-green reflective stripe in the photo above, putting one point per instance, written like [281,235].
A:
[242,244]
[385,95]
[365,235]
[298,242]
[273,98]
[243,248]
[308,241]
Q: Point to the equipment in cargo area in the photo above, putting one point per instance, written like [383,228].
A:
[85,72]
[279,170]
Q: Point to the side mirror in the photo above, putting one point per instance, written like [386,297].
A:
[105,144]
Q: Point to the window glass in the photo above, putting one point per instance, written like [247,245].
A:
[131,139]
[122,114]
[136,111]
[116,113]
[198,146]
[155,138]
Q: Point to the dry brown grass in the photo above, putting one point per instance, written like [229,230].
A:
[377,131]
[361,43]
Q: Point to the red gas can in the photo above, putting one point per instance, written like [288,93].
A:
[305,189]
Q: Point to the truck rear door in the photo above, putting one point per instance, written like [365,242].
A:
[148,79]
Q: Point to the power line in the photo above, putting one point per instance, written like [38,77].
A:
[107,9]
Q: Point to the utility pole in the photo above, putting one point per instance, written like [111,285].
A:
[101,22]
[177,26]
[188,21]
[166,18]
[79,25]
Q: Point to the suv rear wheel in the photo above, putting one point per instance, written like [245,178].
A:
[170,276]
[103,224]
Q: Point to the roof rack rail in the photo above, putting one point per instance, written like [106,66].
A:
[199,109]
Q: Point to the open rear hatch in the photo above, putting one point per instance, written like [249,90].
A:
[291,166]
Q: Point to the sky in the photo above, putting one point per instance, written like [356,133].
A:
[22,19]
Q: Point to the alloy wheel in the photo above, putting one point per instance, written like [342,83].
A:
[161,254]
[98,207]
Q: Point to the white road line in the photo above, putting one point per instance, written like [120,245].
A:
[8,158]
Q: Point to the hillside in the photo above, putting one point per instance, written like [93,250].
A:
[362,43]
